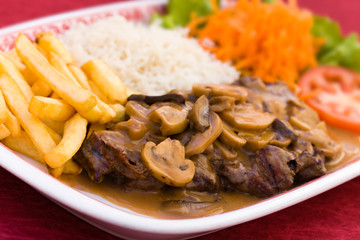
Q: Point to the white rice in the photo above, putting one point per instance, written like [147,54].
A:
[148,59]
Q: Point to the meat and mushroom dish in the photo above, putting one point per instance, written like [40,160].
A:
[248,137]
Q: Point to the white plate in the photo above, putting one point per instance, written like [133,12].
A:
[120,221]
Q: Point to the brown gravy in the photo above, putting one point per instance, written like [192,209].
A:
[149,203]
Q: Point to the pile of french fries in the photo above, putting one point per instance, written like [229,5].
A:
[47,101]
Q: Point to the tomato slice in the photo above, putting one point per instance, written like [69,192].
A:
[334,92]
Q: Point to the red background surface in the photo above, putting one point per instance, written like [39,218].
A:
[26,214]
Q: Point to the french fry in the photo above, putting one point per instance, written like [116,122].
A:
[4,132]
[93,115]
[55,95]
[108,112]
[48,42]
[7,67]
[40,88]
[23,144]
[74,135]
[79,75]
[57,126]
[59,64]
[105,79]
[53,134]
[19,106]
[29,76]
[98,93]
[13,124]
[56,172]
[3,109]
[12,56]
[120,112]
[81,99]
[50,108]
[70,167]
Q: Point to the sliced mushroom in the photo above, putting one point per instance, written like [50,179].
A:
[303,117]
[201,141]
[221,103]
[170,97]
[138,109]
[322,141]
[237,92]
[167,162]
[230,138]
[172,120]
[259,141]
[134,128]
[199,114]
[245,116]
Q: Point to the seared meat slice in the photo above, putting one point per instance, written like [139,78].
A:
[270,173]
[107,151]
[284,134]
[205,179]
[310,163]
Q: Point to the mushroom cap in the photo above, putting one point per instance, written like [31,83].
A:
[173,120]
[230,138]
[245,116]
[202,140]
[167,162]
[199,114]
[239,93]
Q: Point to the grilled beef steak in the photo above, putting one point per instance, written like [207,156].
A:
[252,137]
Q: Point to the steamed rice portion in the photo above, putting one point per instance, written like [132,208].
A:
[148,59]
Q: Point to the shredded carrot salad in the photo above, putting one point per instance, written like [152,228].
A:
[270,41]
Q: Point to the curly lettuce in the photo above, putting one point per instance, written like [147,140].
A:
[179,12]
[338,50]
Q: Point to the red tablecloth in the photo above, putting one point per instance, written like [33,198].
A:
[25,214]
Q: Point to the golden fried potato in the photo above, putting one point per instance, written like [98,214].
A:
[12,56]
[12,124]
[105,79]
[23,144]
[29,76]
[120,112]
[81,99]
[31,124]
[93,115]
[7,67]
[3,109]
[4,132]
[40,88]
[57,126]
[74,135]
[59,64]
[50,108]
[48,42]
[79,75]
[70,167]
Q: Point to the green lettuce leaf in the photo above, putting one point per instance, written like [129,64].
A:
[179,12]
[338,50]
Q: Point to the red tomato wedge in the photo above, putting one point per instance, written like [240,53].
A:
[334,92]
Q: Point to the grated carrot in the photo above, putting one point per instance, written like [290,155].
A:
[270,41]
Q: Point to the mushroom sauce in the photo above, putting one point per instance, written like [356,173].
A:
[213,150]
[149,203]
